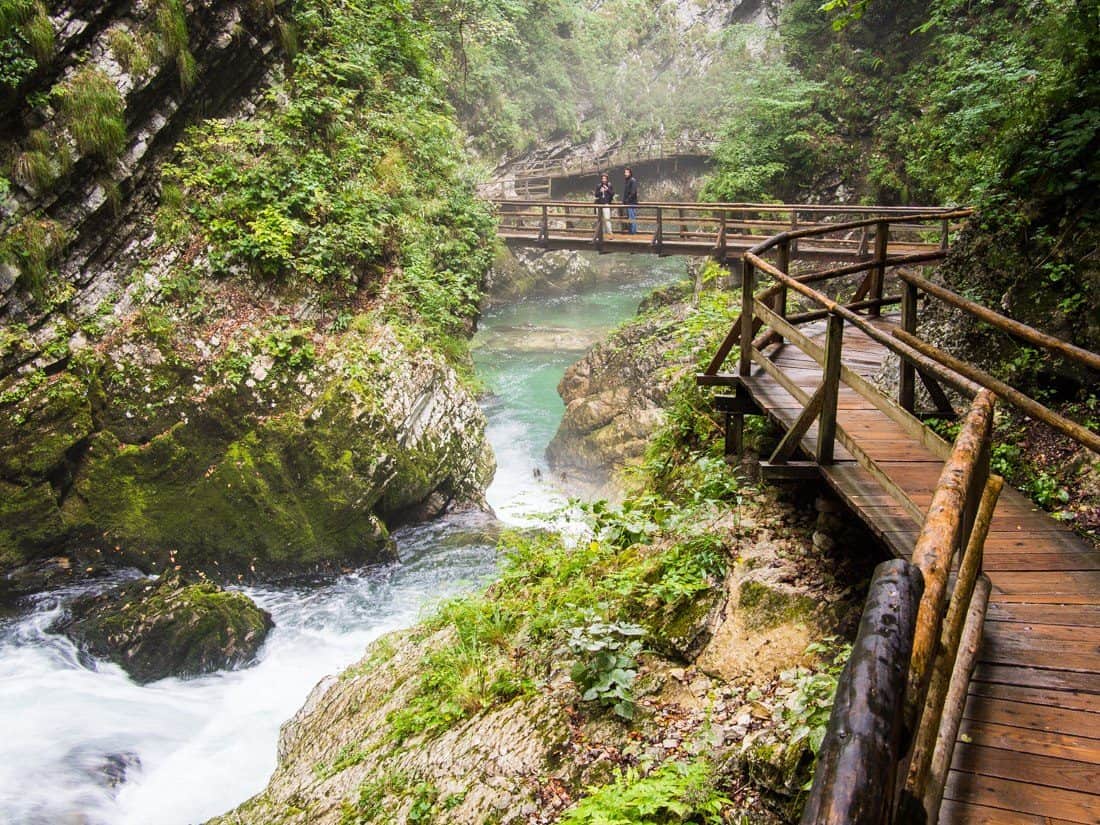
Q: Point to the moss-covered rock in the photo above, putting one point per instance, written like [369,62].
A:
[765,604]
[40,421]
[168,627]
[257,464]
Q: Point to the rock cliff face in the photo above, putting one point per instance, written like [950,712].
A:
[160,401]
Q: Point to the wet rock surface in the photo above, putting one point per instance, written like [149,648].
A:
[614,396]
[170,626]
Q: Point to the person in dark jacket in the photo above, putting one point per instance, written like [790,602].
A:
[630,198]
[604,195]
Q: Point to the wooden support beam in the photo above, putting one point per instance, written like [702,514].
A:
[790,441]
[734,435]
[878,279]
[740,403]
[856,764]
[907,375]
[939,397]
[723,379]
[748,281]
[790,471]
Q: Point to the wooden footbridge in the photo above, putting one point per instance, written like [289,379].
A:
[973,691]
[535,178]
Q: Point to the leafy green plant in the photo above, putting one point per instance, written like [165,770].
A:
[607,663]
[26,40]
[803,715]
[131,51]
[674,792]
[174,40]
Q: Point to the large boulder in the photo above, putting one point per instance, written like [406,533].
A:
[614,396]
[168,627]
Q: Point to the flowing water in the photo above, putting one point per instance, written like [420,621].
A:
[81,743]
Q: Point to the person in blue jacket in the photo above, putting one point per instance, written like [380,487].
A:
[630,198]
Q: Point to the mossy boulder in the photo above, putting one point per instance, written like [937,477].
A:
[168,627]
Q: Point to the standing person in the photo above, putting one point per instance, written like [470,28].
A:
[630,198]
[604,195]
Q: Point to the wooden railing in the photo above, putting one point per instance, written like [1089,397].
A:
[891,736]
[722,229]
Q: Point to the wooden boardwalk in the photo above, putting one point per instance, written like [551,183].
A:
[1028,750]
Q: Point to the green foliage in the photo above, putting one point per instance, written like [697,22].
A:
[92,108]
[777,145]
[133,52]
[290,345]
[607,663]
[40,163]
[174,40]
[347,177]
[807,696]
[26,40]
[462,678]
[674,792]
[954,99]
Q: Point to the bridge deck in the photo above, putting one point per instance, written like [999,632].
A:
[644,243]
[1029,746]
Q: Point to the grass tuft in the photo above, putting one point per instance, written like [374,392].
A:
[94,112]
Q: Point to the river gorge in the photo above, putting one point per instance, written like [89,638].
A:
[84,744]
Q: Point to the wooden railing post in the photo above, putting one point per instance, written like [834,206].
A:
[599,227]
[944,232]
[720,243]
[907,377]
[783,264]
[658,236]
[882,241]
[683,226]
[794,228]
[544,230]
[748,315]
[826,425]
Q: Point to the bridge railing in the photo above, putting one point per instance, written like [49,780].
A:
[891,736]
[718,230]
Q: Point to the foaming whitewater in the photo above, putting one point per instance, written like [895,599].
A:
[83,744]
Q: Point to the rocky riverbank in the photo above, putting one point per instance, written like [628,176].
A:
[494,712]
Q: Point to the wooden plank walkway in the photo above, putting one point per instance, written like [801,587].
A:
[1029,747]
